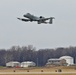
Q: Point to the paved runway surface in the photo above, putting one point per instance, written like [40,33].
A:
[37,72]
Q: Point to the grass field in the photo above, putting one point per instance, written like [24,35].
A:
[39,69]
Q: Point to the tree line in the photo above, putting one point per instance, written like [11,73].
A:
[29,53]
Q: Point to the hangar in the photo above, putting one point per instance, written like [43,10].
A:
[63,61]
[69,60]
[13,64]
[28,64]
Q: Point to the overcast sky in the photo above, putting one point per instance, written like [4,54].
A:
[62,33]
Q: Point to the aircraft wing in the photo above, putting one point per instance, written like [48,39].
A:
[23,19]
[47,18]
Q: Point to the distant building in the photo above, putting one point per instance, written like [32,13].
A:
[28,64]
[13,64]
[69,60]
[56,62]
[64,60]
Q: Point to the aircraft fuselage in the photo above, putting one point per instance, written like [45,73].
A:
[31,17]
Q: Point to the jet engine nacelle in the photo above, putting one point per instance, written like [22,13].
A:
[51,20]
[41,17]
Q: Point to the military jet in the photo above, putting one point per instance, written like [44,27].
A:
[39,20]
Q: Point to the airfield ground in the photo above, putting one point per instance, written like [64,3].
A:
[39,71]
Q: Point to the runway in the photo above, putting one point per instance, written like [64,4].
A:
[37,73]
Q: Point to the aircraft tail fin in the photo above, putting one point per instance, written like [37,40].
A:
[51,20]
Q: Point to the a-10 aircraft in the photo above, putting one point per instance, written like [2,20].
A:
[41,19]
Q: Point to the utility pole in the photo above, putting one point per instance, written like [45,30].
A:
[37,62]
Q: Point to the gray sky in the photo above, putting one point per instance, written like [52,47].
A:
[62,33]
